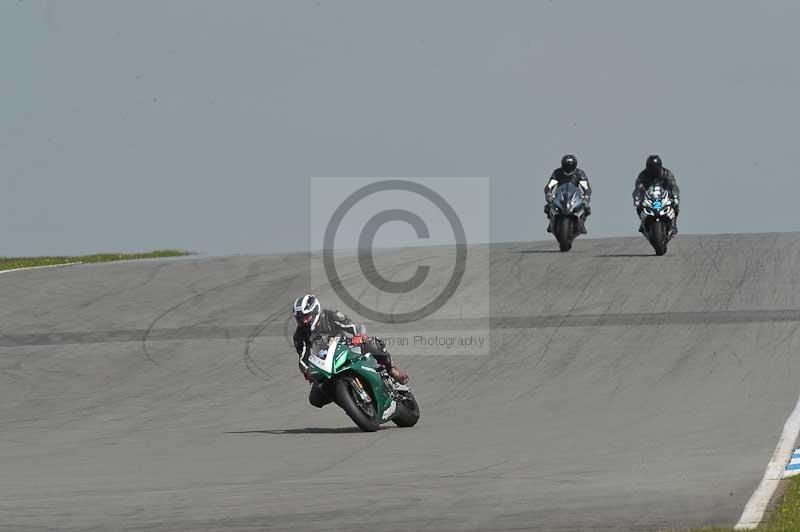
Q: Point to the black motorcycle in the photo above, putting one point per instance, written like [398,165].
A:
[565,211]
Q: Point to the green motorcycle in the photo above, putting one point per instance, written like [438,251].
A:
[360,386]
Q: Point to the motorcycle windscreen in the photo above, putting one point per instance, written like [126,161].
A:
[656,198]
[655,192]
[568,198]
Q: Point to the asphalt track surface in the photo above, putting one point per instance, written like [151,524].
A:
[623,392]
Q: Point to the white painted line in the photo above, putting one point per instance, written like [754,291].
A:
[37,267]
[757,505]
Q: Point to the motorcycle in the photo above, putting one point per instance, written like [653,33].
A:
[565,210]
[657,215]
[360,386]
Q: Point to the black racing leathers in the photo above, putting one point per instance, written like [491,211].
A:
[558,177]
[665,178]
[332,322]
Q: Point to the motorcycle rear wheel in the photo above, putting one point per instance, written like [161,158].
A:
[408,411]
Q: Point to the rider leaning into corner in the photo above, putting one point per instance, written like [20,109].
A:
[314,324]
[655,173]
[568,173]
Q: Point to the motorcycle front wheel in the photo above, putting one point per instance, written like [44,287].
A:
[564,232]
[362,414]
[658,237]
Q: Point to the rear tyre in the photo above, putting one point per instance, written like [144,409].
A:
[348,399]
[564,233]
[408,411]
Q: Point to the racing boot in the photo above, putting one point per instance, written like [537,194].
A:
[674,229]
[582,225]
[547,213]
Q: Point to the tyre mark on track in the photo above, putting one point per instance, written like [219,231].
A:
[249,362]
[727,317]
[644,319]
[340,461]
[477,470]
[175,307]
[197,297]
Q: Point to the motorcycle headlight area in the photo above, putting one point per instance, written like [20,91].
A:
[656,212]
[571,204]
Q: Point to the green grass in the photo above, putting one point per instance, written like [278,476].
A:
[10,263]
[787,515]
[785,518]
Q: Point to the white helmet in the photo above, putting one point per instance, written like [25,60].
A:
[306,310]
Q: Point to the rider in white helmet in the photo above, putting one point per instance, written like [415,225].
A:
[314,323]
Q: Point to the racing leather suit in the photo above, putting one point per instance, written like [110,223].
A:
[645,180]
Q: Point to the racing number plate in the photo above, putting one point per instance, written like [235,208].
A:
[326,364]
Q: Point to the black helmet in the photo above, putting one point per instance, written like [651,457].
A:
[569,163]
[654,164]
[306,310]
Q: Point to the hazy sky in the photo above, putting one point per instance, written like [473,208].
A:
[197,124]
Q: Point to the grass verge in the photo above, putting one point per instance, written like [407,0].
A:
[11,263]
[785,517]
